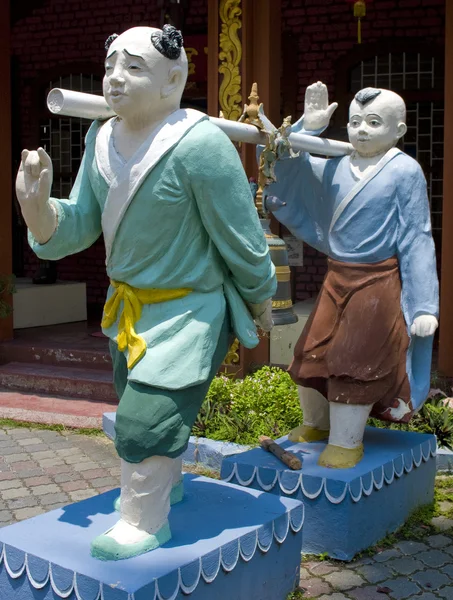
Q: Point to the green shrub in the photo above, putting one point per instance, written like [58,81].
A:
[240,410]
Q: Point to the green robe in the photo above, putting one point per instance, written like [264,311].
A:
[190,223]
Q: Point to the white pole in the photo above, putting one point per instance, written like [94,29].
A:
[89,106]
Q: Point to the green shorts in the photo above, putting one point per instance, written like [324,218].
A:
[153,421]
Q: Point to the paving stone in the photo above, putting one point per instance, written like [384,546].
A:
[60,445]
[442,523]
[314,587]
[29,473]
[412,547]
[375,573]
[53,498]
[366,593]
[434,558]
[427,596]
[22,502]
[51,462]
[335,596]
[322,568]
[10,451]
[104,482]
[405,566]
[7,444]
[81,495]
[66,452]
[92,473]
[387,555]
[87,466]
[43,455]
[446,593]
[75,459]
[72,486]
[13,458]
[20,433]
[57,470]
[29,441]
[115,471]
[41,490]
[5,476]
[25,465]
[5,515]
[438,541]
[448,570]
[344,580]
[304,574]
[28,513]
[63,477]
[36,448]
[364,560]
[33,481]
[14,493]
[445,506]
[431,579]
[10,483]
[401,588]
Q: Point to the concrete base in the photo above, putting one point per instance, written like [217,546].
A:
[284,337]
[228,542]
[38,305]
[348,510]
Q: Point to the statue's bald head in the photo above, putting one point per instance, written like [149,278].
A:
[149,60]
[377,120]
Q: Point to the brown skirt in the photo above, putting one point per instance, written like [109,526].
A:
[353,347]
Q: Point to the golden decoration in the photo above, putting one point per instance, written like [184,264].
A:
[230,56]
[281,303]
[251,114]
[232,357]
[359,13]
[191,52]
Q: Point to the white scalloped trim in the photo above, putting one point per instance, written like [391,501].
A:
[427,451]
[294,520]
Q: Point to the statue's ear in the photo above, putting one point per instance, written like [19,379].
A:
[174,81]
[402,128]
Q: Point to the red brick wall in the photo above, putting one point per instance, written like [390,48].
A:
[324,32]
[52,39]
[64,32]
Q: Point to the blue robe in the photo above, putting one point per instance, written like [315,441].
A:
[389,216]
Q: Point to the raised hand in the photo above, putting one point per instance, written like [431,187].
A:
[317,112]
[33,185]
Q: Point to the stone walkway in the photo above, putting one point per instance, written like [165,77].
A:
[41,470]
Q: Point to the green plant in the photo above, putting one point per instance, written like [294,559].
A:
[240,410]
[7,287]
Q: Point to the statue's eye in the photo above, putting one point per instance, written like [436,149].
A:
[134,68]
[375,123]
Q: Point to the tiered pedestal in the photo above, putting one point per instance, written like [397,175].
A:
[347,510]
[228,542]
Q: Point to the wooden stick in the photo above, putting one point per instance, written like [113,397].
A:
[288,458]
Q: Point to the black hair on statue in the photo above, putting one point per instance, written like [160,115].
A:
[367,95]
[110,40]
[168,42]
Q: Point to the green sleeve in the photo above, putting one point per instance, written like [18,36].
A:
[79,217]
[222,193]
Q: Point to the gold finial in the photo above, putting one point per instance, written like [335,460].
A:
[251,110]
[221,115]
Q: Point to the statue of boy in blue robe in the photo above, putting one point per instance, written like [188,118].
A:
[367,346]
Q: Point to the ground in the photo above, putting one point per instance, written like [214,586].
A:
[45,469]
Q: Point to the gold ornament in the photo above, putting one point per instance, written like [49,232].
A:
[359,13]
[230,56]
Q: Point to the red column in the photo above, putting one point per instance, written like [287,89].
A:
[6,325]
[446,313]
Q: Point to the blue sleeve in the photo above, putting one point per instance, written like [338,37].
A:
[222,193]
[299,184]
[415,245]
[79,217]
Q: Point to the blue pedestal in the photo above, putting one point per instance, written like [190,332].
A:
[347,510]
[228,542]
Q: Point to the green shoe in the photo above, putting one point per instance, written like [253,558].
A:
[177,494]
[106,548]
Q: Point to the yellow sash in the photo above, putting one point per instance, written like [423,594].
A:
[133,299]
